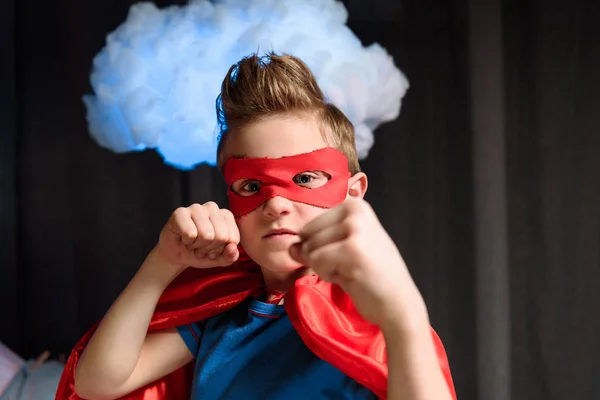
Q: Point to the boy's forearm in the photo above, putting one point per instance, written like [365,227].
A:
[112,354]
[414,370]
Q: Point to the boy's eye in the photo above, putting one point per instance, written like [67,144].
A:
[246,187]
[303,179]
[251,187]
[311,179]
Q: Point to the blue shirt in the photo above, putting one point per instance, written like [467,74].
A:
[253,352]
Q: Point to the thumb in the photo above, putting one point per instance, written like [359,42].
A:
[230,255]
[296,253]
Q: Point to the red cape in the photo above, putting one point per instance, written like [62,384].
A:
[322,314]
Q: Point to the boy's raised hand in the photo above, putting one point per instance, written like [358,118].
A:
[199,236]
[348,246]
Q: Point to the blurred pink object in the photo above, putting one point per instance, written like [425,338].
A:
[10,365]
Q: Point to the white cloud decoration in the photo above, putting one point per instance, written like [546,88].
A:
[156,81]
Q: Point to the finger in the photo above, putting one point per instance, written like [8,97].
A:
[234,232]
[221,229]
[206,233]
[229,256]
[233,235]
[331,234]
[328,218]
[195,259]
[182,224]
[199,259]
[296,253]
[327,261]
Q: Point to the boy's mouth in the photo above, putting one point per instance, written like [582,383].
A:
[279,232]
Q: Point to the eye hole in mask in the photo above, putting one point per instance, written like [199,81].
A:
[307,179]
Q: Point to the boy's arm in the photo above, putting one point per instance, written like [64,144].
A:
[348,246]
[413,366]
[121,357]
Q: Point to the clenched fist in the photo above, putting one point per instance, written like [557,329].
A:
[348,246]
[200,236]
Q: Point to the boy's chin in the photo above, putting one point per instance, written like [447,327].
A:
[282,262]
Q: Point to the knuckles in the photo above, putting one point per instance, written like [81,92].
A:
[357,215]
[357,208]
[351,225]
[227,214]
[211,205]
[195,207]
[179,211]
[206,234]
[221,237]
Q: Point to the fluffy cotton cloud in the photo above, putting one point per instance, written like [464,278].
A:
[156,80]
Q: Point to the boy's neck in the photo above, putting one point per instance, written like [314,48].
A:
[282,282]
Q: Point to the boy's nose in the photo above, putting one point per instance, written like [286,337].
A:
[276,207]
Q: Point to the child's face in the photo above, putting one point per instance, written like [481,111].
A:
[276,137]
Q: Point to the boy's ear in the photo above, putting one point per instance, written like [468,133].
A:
[357,185]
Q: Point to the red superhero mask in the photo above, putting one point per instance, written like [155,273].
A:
[276,177]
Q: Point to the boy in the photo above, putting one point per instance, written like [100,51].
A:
[252,294]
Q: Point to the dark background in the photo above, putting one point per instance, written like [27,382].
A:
[489,182]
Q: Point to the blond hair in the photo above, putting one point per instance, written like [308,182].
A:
[259,87]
